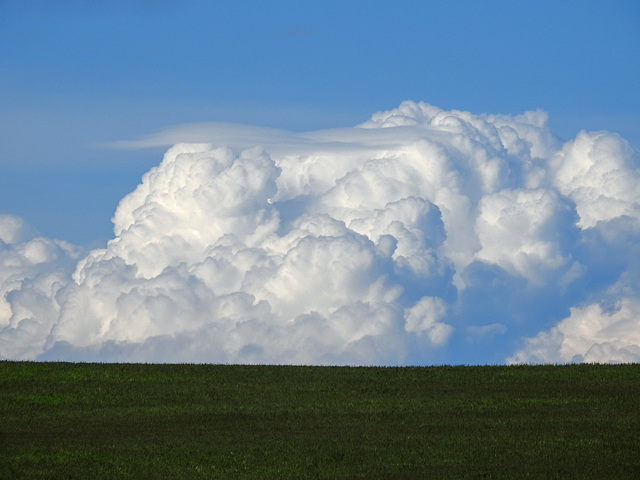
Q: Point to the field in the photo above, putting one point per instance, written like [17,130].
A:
[138,421]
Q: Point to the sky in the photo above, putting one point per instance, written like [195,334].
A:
[312,126]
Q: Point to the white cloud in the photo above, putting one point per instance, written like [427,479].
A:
[519,230]
[590,334]
[599,172]
[420,236]
[32,271]
[13,229]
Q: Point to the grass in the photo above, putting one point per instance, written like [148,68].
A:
[105,421]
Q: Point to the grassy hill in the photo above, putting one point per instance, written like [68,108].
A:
[106,421]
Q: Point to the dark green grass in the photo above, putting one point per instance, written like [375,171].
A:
[105,421]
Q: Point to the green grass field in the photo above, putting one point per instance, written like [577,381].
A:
[106,421]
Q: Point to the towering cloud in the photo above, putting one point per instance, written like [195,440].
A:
[420,236]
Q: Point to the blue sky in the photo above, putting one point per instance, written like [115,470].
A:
[449,227]
[76,74]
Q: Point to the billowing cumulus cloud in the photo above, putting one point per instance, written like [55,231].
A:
[419,236]
[32,272]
